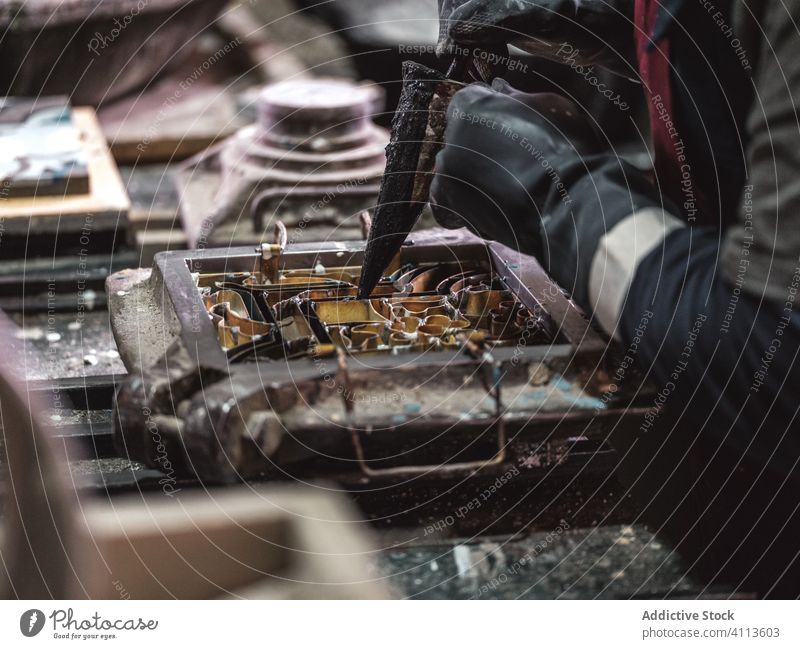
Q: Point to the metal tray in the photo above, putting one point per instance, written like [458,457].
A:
[188,410]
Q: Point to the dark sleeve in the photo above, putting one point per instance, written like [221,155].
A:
[721,360]
[760,253]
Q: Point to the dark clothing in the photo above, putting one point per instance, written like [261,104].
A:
[723,455]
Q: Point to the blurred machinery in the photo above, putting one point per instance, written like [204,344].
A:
[313,159]
[97,50]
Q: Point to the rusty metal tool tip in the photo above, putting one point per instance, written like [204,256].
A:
[410,156]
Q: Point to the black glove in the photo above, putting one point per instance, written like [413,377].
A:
[530,172]
[580,32]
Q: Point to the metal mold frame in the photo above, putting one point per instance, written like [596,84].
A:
[193,413]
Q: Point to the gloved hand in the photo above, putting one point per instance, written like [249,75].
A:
[530,172]
[581,32]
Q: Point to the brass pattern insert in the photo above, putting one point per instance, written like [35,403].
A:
[420,307]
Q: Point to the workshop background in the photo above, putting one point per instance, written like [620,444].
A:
[144,126]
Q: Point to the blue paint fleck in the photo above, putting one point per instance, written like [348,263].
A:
[561,383]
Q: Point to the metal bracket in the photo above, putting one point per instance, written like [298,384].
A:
[499,457]
[474,465]
[271,253]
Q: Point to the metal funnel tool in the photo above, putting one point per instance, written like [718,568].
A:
[416,137]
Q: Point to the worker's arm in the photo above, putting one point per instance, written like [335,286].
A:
[724,307]
[710,317]
[531,172]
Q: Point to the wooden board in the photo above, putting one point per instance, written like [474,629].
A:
[105,207]
[41,147]
[173,119]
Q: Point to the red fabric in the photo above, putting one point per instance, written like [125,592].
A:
[654,69]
